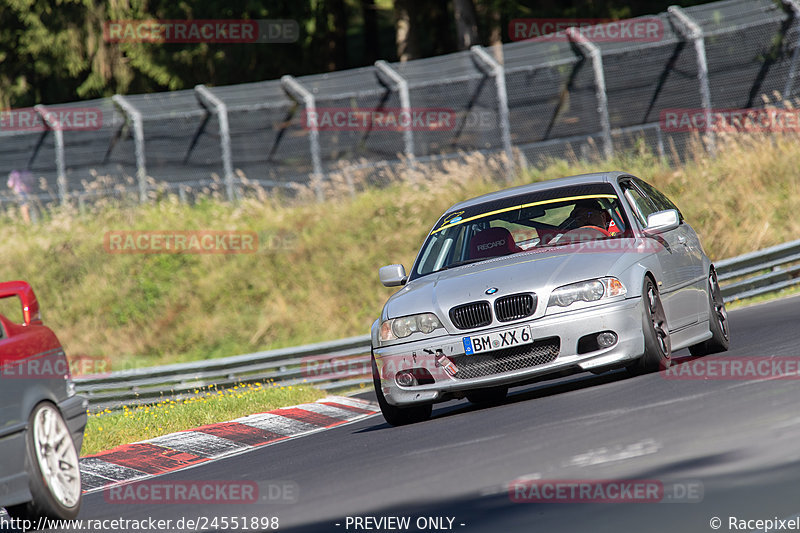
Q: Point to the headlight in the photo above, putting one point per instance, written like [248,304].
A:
[398,328]
[428,322]
[587,291]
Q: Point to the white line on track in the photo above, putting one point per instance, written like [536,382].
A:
[454,445]
[614,454]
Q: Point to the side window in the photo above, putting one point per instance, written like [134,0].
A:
[641,204]
[661,201]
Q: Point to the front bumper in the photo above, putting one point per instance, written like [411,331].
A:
[623,318]
[73,410]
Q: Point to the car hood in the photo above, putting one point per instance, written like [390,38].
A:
[537,271]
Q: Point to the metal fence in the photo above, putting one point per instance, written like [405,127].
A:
[540,100]
[345,363]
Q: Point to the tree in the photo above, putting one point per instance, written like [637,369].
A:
[338,35]
[55,51]
[405,36]
[59,54]
[371,42]
[466,24]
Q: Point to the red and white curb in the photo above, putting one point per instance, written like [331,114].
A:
[176,451]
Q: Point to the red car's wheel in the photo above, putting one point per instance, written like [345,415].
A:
[53,469]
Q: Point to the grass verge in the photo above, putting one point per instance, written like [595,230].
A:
[108,429]
[314,275]
[764,298]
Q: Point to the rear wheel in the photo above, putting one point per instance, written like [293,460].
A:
[52,464]
[490,396]
[394,415]
[717,322]
[657,348]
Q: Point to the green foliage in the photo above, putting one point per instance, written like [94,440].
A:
[57,53]
[53,52]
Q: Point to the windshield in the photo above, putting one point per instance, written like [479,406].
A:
[519,223]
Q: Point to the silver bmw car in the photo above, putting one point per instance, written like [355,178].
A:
[586,273]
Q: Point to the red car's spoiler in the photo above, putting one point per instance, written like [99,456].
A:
[30,307]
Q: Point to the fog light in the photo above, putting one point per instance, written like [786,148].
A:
[606,339]
[405,378]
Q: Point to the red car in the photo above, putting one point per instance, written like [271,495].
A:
[41,418]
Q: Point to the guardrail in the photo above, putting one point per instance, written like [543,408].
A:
[759,272]
[327,365]
[345,363]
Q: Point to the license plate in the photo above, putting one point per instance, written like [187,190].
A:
[497,340]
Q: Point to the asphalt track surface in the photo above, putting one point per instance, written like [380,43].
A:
[734,443]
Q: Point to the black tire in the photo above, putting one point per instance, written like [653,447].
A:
[490,396]
[717,322]
[657,348]
[398,416]
[53,471]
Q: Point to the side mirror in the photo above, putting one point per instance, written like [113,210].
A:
[393,275]
[22,290]
[662,221]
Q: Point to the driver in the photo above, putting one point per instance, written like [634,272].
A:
[589,213]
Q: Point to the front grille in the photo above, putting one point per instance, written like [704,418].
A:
[514,307]
[471,315]
[526,356]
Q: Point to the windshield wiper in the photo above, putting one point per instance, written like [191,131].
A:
[462,263]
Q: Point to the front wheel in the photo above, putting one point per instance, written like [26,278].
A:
[657,347]
[398,416]
[717,322]
[53,469]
